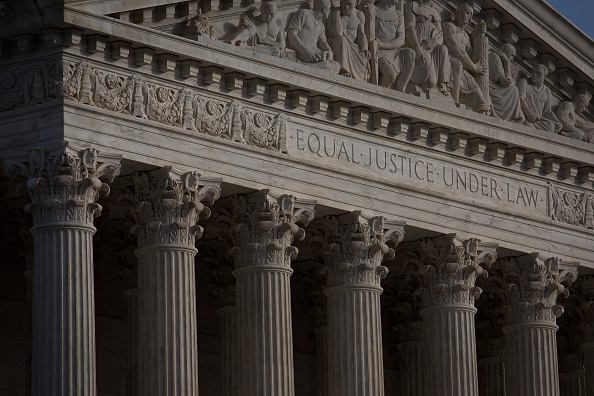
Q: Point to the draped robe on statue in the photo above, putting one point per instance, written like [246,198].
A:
[505,99]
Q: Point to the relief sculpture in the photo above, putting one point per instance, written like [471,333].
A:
[572,207]
[306,34]
[465,88]
[505,96]
[535,98]
[265,33]
[112,91]
[346,32]
[573,124]
[164,104]
[425,37]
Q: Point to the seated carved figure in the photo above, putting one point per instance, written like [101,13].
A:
[265,33]
[346,36]
[505,96]
[395,62]
[574,125]
[423,34]
[535,99]
[464,86]
[306,34]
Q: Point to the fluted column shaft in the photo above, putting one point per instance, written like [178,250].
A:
[132,340]
[321,333]
[228,331]
[412,368]
[353,254]
[531,355]
[63,183]
[589,367]
[262,228]
[167,294]
[491,376]
[265,340]
[450,345]
[29,333]
[448,268]
[572,384]
[355,358]
[64,316]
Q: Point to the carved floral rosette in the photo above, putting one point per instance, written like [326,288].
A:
[355,246]
[531,285]
[447,268]
[63,182]
[571,207]
[166,206]
[262,227]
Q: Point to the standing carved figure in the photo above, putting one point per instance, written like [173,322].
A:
[574,125]
[535,98]
[395,62]
[505,96]
[424,35]
[306,34]
[346,36]
[465,89]
[265,33]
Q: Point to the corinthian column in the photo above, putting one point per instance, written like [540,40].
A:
[448,267]
[130,277]
[531,285]
[320,314]
[222,276]
[166,207]
[354,250]
[63,184]
[262,229]
[586,284]
[490,346]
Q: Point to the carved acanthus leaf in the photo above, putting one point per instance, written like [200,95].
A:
[448,268]
[167,204]
[63,181]
[263,227]
[356,245]
[531,285]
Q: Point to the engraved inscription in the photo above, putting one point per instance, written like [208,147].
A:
[402,167]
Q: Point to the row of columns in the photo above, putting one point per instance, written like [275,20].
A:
[64,183]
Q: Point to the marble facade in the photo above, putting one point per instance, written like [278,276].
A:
[285,198]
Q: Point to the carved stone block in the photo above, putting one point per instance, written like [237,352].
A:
[511,33]
[569,169]
[212,75]
[25,43]
[550,165]
[566,77]
[419,131]
[52,37]
[400,125]
[380,120]
[339,109]
[143,56]
[477,146]
[319,103]
[96,43]
[71,36]
[120,49]
[549,61]
[256,87]
[529,48]
[492,18]
[586,174]
[458,141]
[298,98]
[234,81]
[166,62]
[360,114]
[439,137]
[514,156]
[189,68]
[277,92]
[496,151]
[533,160]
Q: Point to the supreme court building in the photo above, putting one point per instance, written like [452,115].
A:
[295,198]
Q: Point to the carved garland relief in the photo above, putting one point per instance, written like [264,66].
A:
[126,94]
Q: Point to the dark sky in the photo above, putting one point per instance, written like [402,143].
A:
[579,12]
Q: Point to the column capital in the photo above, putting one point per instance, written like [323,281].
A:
[530,286]
[448,267]
[166,205]
[63,182]
[354,247]
[263,226]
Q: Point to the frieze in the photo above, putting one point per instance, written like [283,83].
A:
[399,166]
[571,207]
[110,90]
